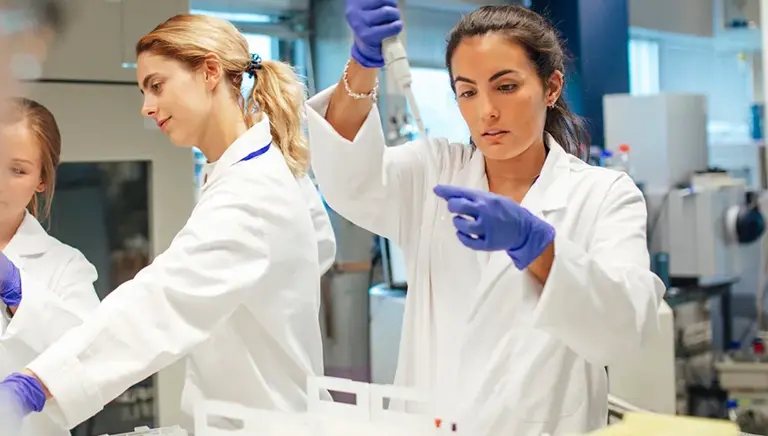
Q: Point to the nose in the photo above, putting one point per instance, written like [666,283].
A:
[488,109]
[149,108]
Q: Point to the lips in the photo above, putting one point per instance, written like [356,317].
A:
[161,124]
[495,133]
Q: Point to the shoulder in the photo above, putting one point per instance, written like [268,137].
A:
[69,257]
[248,196]
[589,177]
[604,193]
[60,263]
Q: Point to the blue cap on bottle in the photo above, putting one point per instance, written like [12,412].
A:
[731,404]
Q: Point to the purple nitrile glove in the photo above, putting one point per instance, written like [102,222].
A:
[20,395]
[10,282]
[497,223]
[372,21]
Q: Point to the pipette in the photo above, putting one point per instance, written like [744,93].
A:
[396,62]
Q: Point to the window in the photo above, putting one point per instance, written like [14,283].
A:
[262,46]
[234,17]
[437,103]
[643,67]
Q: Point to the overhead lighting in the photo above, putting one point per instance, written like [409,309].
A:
[234,17]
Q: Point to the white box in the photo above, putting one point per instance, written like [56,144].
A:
[667,135]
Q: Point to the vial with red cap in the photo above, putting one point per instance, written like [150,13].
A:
[758,349]
[623,161]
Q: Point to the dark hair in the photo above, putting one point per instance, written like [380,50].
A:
[542,43]
[43,126]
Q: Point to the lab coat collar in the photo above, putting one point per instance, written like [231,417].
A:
[549,192]
[256,137]
[551,189]
[30,239]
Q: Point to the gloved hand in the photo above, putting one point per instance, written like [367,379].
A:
[10,282]
[497,223]
[20,395]
[371,22]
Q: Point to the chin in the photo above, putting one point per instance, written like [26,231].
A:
[500,151]
[179,142]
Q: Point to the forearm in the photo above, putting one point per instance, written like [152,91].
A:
[345,113]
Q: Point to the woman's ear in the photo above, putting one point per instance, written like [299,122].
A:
[40,187]
[554,87]
[212,71]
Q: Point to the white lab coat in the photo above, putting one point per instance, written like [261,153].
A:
[476,335]
[326,239]
[236,293]
[57,293]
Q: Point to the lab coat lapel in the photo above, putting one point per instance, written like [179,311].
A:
[30,240]
[547,195]
[256,137]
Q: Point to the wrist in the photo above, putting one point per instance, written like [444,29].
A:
[360,82]
[538,239]
[10,287]
[29,391]
[366,60]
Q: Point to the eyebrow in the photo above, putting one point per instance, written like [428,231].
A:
[491,79]
[145,82]
[23,161]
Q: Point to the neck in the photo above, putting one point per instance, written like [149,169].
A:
[225,125]
[8,228]
[510,176]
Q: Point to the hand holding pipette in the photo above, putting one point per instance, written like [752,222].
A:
[372,21]
[376,24]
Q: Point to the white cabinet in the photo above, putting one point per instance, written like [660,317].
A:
[100,37]
[139,17]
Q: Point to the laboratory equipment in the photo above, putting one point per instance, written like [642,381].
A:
[396,61]
[367,416]
[667,133]
[699,217]
[164,431]
[730,406]
[621,160]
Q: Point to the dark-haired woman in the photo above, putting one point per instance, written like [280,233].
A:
[528,270]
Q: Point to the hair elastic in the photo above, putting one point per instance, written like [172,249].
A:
[253,65]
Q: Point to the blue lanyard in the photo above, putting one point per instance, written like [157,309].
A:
[255,154]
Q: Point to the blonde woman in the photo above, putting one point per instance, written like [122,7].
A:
[237,292]
[46,287]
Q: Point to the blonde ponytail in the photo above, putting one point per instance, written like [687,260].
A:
[278,93]
[277,90]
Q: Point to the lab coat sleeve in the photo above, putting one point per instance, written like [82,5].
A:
[326,239]
[216,262]
[378,188]
[603,301]
[45,314]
